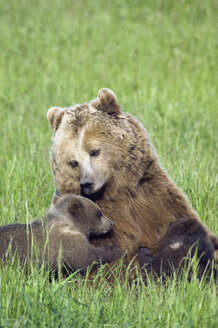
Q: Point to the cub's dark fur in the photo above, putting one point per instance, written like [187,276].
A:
[61,238]
[183,239]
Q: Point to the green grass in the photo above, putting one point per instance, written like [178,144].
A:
[160,58]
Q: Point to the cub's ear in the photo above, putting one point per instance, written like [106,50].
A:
[191,225]
[54,116]
[75,206]
[106,102]
[55,199]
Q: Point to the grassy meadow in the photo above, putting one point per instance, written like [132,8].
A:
[160,58]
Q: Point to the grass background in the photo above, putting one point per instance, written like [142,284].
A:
[160,58]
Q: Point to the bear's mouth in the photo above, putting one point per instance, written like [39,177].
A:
[96,195]
[106,235]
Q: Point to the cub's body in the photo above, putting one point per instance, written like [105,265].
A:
[184,239]
[62,237]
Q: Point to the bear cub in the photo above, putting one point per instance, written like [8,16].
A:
[61,239]
[184,238]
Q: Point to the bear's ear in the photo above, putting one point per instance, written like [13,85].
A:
[106,102]
[54,116]
[75,206]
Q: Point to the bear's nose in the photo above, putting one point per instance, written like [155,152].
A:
[86,186]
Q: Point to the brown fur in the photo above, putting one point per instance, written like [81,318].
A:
[184,239]
[124,176]
[61,237]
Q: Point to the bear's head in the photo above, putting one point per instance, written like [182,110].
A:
[97,150]
[85,215]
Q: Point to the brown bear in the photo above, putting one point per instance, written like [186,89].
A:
[184,239]
[106,155]
[61,237]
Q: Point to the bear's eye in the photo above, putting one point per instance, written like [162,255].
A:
[99,214]
[94,152]
[73,163]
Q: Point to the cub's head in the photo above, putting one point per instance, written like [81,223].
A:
[96,146]
[185,234]
[183,226]
[85,215]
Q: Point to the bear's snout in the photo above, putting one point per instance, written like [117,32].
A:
[107,224]
[86,186]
